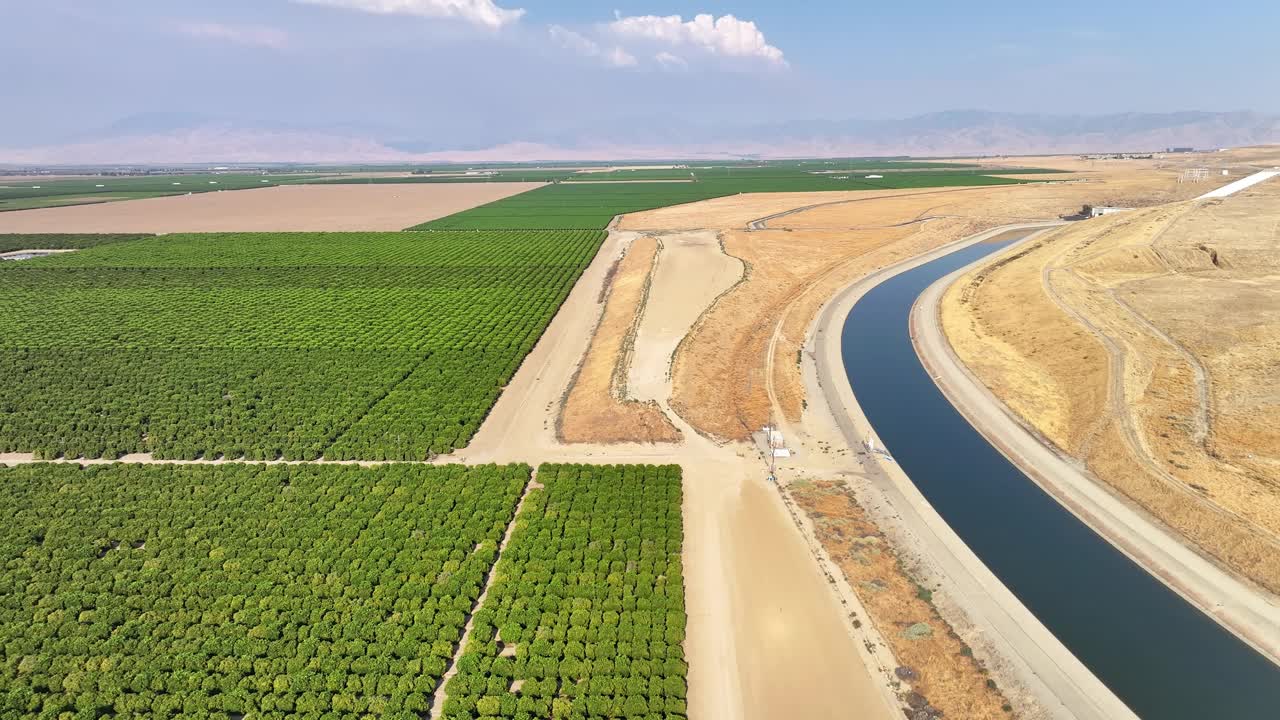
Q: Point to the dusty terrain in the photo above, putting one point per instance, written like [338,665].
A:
[315,208]
[743,355]
[1147,344]
[767,637]
[939,667]
[620,392]
[598,407]
[744,363]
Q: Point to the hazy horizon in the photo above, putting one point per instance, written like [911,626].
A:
[407,78]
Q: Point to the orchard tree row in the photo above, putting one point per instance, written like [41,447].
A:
[397,354]
[268,591]
[60,241]
[585,617]
[333,250]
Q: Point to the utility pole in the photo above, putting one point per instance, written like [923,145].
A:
[768,443]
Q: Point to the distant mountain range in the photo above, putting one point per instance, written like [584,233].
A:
[185,138]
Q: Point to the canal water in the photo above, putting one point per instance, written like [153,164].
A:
[1164,658]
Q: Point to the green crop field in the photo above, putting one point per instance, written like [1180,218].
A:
[593,204]
[363,346]
[29,194]
[586,613]
[217,591]
[39,241]
[325,591]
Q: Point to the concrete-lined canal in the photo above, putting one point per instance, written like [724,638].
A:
[1159,654]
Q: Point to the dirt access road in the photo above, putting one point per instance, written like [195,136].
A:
[767,637]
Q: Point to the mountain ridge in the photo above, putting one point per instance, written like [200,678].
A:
[191,138]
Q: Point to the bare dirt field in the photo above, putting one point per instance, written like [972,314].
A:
[314,208]
[598,407]
[1147,344]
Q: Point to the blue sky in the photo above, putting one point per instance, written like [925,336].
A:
[478,70]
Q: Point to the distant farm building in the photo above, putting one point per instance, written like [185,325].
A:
[1094,211]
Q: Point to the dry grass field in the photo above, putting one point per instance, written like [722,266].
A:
[939,670]
[309,208]
[1147,344]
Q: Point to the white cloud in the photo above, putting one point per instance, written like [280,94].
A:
[251,35]
[726,35]
[575,41]
[585,46]
[478,12]
[670,61]
[620,58]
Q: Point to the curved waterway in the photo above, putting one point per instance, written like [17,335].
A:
[1158,653]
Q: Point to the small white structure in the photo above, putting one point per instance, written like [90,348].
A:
[1100,210]
[1191,175]
[875,177]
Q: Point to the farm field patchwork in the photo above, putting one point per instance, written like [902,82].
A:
[585,617]
[267,591]
[594,204]
[28,194]
[605,172]
[371,346]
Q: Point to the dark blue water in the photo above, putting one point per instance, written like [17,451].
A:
[1159,654]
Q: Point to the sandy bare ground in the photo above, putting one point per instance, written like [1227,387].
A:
[1162,381]
[315,208]
[598,407]
[767,636]
[692,271]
